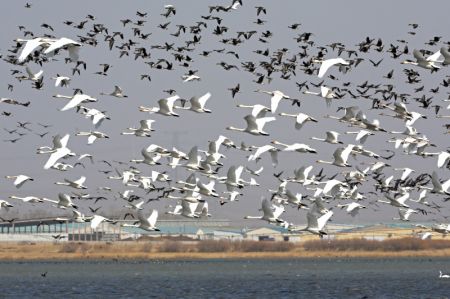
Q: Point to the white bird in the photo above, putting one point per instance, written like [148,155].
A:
[59,152]
[165,107]
[277,96]
[75,100]
[271,212]
[325,92]
[31,45]
[144,129]
[444,52]
[398,202]
[316,223]
[30,75]
[405,214]
[326,64]
[443,275]
[64,201]
[340,156]
[332,187]
[185,208]
[93,135]
[61,166]
[95,115]
[77,184]
[30,199]
[19,180]
[118,93]
[300,119]
[254,172]
[301,176]
[427,63]
[438,187]
[331,137]
[147,224]
[84,156]
[258,110]
[188,78]
[136,207]
[255,125]
[71,45]
[202,210]
[148,158]
[96,220]
[406,172]
[198,104]
[232,196]
[361,135]
[352,208]
[296,199]
[233,178]
[265,148]
[61,80]
[296,147]
[194,159]
[443,158]
[4,204]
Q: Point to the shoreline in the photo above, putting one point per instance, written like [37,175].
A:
[135,251]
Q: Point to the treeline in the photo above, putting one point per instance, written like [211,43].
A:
[259,246]
[375,245]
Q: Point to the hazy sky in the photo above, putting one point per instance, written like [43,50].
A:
[329,21]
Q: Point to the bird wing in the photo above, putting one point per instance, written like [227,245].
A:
[276,98]
[312,220]
[259,110]
[435,57]
[322,220]
[325,91]
[61,43]
[29,47]
[80,181]
[54,157]
[435,181]
[64,199]
[260,151]
[326,64]
[442,157]
[301,118]
[153,217]
[331,136]
[91,139]
[96,220]
[117,90]
[267,208]
[202,100]
[75,101]
[260,122]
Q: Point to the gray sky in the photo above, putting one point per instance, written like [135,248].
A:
[330,22]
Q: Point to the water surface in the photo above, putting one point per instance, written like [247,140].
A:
[280,278]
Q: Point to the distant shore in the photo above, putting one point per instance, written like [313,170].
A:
[144,251]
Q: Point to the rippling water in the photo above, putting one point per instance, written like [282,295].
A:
[296,278]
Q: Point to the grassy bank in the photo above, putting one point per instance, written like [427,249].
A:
[406,247]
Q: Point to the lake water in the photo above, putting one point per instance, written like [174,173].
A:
[296,278]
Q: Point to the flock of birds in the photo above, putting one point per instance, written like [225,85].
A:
[356,177]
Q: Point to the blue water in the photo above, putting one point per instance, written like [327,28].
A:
[293,278]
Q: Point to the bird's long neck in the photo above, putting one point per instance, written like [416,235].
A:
[324,162]
[253,217]
[315,138]
[310,92]
[235,129]
[62,96]
[287,114]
